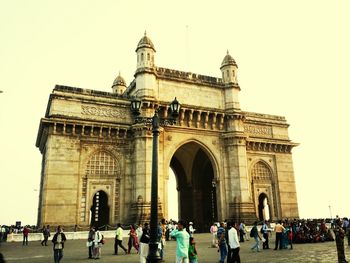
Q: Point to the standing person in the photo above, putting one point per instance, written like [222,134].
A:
[182,243]
[91,238]
[97,244]
[339,239]
[144,241]
[234,244]
[214,231]
[192,251]
[25,236]
[222,242]
[118,240]
[163,238]
[46,234]
[191,229]
[255,234]
[58,244]
[133,241]
[290,235]
[279,231]
[265,232]
[241,231]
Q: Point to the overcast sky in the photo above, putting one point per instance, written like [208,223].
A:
[293,60]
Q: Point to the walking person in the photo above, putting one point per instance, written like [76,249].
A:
[279,231]
[222,242]
[192,251]
[182,243]
[118,240]
[58,244]
[339,239]
[144,241]
[255,234]
[234,244]
[133,240]
[25,236]
[46,234]
[90,240]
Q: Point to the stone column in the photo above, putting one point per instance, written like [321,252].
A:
[238,193]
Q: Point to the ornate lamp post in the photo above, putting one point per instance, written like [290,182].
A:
[153,254]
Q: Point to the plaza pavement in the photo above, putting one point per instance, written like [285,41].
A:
[76,251]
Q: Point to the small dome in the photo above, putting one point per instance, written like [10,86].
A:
[145,42]
[228,60]
[119,81]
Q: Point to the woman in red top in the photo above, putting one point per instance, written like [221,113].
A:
[133,240]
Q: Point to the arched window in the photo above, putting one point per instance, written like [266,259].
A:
[102,163]
[141,56]
[148,57]
[261,171]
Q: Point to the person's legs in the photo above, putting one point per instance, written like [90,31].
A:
[235,256]
[90,251]
[278,240]
[223,253]
[60,254]
[55,256]
[115,246]
[121,245]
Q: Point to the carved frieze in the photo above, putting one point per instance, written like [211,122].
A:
[255,130]
[119,113]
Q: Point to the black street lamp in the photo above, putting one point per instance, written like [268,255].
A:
[153,254]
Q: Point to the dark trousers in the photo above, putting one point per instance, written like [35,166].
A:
[278,241]
[235,258]
[340,249]
[45,240]
[57,255]
[90,251]
[25,240]
[266,243]
[118,243]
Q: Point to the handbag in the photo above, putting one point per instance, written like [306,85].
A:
[88,243]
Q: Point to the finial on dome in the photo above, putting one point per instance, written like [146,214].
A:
[145,33]
[227,52]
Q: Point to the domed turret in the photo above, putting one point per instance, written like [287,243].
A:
[229,69]
[145,53]
[119,85]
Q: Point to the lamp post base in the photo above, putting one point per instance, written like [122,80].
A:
[153,254]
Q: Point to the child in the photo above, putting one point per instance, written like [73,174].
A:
[192,252]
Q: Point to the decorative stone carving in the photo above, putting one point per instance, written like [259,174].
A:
[103,111]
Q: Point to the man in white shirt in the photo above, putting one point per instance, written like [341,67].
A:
[234,243]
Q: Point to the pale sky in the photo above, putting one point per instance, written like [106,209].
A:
[293,60]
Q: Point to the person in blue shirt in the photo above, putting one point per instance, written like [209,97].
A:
[222,242]
[182,243]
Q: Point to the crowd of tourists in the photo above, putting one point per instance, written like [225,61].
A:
[226,237]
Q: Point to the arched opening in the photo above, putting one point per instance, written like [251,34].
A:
[263,207]
[173,197]
[99,210]
[194,173]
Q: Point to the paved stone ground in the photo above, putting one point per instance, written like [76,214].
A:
[75,251]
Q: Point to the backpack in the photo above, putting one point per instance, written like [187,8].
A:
[252,232]
[262,230]
[102,241]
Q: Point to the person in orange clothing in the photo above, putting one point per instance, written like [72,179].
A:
[279,230]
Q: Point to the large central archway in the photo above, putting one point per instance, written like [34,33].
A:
[194,174]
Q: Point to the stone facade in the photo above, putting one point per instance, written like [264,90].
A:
[229,163]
